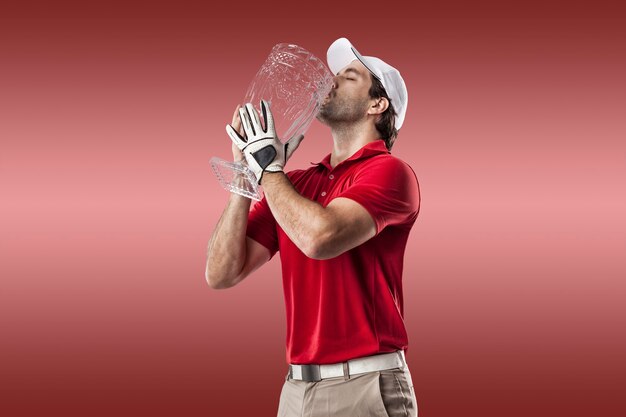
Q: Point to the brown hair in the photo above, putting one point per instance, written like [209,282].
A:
[386,122]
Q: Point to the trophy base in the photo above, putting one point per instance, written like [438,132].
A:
[236,178]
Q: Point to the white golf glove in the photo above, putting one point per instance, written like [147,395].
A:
[264,152]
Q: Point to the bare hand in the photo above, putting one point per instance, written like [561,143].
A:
[238,156]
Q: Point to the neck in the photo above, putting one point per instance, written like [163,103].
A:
[350,138]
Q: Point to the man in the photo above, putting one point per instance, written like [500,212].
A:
[341,227]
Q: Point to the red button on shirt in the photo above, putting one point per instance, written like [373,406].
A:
[351,305]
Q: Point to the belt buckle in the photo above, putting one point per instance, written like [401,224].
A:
[311,373]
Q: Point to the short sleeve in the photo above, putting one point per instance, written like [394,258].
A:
[262,226]
[388,189]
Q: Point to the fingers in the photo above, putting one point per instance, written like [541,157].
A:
[267,117]
[254,116]
[246,122]
[292,144]
[236,123]
[236,137]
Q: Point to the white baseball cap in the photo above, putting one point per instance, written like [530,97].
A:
[342,53]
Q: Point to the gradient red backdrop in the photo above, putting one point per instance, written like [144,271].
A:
[514,277]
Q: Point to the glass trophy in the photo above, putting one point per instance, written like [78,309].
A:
[294,82]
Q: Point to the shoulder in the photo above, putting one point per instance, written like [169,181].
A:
[388,165]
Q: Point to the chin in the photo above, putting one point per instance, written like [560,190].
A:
[319,116]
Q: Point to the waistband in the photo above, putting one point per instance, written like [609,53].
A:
[379,362]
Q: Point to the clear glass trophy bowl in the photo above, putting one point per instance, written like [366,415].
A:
[294,82]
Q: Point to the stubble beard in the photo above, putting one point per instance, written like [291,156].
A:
[338,111]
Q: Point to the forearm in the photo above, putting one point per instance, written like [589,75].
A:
[303,220]
[226,252]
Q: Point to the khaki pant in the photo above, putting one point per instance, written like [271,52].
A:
[388,393]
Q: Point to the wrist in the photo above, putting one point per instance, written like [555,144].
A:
[238,200]
[270,177]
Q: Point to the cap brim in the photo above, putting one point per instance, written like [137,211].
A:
[341,53]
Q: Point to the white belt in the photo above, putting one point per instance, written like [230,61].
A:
[314,373]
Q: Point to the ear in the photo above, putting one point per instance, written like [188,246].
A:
[378,106]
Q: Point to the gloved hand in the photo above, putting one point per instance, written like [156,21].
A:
[264,152]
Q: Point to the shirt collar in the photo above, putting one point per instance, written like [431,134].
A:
[370,149]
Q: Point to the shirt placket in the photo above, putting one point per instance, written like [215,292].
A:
[329,182]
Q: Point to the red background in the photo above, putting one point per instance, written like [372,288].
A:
[514,278]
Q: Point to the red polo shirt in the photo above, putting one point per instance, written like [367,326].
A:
[351,305]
